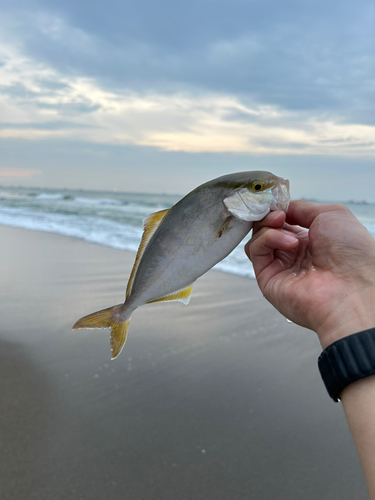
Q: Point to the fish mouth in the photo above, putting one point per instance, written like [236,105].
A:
[281,196]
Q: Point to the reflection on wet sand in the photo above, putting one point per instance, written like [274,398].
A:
[217,400]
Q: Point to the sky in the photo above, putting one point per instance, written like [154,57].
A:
[162,95]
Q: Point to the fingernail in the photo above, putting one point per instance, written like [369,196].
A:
[290,239]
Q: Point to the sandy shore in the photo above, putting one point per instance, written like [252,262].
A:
[217,400]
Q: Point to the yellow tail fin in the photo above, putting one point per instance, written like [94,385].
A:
[107,318]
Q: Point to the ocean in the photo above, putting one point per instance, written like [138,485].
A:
[112,219]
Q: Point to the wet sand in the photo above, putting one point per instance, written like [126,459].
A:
[217,400]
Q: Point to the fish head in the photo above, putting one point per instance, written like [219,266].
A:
[255,198]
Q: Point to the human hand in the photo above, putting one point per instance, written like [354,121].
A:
[323,278]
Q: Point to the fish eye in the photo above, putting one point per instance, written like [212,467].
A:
[257,186]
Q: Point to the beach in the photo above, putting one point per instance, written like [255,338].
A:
[217,400]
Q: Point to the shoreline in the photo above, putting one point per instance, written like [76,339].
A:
[207,401]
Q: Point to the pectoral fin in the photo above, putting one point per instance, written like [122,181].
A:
[225,227]
[180,296]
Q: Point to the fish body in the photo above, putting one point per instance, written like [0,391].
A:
[181,244]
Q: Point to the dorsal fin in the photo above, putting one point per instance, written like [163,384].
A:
[180,296]
[150,225]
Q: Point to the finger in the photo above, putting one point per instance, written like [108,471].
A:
[260,249]
[303,213]
[293,229]
[273,219]
[286,229]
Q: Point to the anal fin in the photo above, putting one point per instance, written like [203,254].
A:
[180,296]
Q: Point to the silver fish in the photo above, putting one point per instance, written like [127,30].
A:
[182,243]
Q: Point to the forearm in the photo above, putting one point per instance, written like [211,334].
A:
[358,400]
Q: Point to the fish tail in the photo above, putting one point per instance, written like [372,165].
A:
[108,318]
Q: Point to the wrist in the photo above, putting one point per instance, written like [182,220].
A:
[355,314]
[343,331]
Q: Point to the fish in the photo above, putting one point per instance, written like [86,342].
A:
[182,243]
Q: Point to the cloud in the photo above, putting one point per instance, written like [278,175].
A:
[19,173]
[299,55]
[38,102]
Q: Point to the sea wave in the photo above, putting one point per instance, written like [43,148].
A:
[103,232]
[142,209]
[92,229]
[93,201]
[110,219]
[47,196]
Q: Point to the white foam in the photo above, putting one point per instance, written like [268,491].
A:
[47,196]
[142,209]
[91,229]
[104,231]
[103,201]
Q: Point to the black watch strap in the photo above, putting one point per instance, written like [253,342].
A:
[347,360]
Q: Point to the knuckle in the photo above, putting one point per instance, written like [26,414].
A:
[342,208]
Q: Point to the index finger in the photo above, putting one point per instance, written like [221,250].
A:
[273,219]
